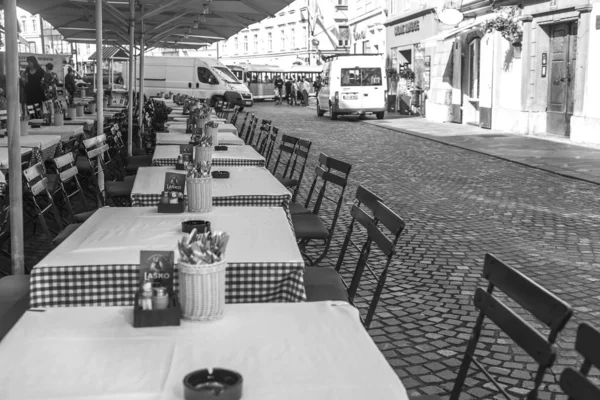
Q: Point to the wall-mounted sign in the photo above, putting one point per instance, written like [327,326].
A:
[407,27]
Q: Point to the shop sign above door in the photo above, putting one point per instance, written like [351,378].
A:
[407,27]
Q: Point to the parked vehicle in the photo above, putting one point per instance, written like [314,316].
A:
[202,77]
[258,78]
[353,84]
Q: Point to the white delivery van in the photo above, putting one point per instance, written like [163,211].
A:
[201,77]
[353,84]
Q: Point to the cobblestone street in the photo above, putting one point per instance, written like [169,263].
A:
[458,206]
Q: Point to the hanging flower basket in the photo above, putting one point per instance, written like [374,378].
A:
[509,27]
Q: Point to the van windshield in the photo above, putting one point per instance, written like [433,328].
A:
[226,75]
[361,76]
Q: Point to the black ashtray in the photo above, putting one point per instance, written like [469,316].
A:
[88,112]
[68,119]
[220,174]
[35,126]
[216,384]
[220,148]
[199,225]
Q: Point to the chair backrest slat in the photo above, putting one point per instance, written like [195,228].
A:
[368,198]
[96,152]
[389,219]
[588,344]
[39,186]
[68,174]
[360,216]
[577,386]
[382,241]
[64,160]
[329,177]
[544,305]
[528,338]
[33,172]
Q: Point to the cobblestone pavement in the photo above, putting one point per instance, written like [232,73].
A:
[458,206]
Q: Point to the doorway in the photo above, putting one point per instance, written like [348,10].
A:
[563,51]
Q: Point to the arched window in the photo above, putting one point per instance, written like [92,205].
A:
[474,62]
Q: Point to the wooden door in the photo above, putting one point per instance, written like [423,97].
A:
[563,50]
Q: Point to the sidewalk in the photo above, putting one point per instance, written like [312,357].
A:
[556,155]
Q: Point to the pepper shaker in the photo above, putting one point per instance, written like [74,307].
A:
[160,298]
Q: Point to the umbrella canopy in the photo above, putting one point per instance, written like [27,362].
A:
[187,24]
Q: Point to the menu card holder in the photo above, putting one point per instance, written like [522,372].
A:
[172,208]
[170,316]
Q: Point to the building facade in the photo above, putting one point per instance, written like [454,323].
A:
[300,34]
[366,19]
[539,82]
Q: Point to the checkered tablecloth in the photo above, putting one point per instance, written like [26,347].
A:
[264,263]
[245,187]
[235,156]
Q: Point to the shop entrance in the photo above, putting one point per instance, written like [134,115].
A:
[563,50]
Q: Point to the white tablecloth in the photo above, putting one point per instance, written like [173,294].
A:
[251,185]
[240,153]
[99,264]
[225,138]
[77,121]
[302,351]
[116,235]
[65,131]
[40,141]
[179,128]
[4,156]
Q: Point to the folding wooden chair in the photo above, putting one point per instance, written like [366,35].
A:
[327,284]
[543,305]
[296,172]
[263,135]
[284,158]
[576,384]
[70,186]
[309,227]
[270,145]
[241,130]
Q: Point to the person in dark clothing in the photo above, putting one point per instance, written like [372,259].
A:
[22,94]
[279,87]
[34,92]
[288,90]
[70,84]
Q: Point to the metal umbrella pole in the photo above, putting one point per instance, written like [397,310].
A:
[131,81]
[99,71]
[142,49]
[14,139]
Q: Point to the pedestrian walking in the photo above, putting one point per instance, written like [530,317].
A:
[33,88]
[317,85]
[70,84]
[22,93]
[278,89]
[49,83]
[288,90]
[305,90]
[294,92]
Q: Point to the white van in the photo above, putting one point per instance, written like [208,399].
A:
[203,77]
[353,84]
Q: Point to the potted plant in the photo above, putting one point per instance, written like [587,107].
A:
[407,74]
[79,109]
[71,111]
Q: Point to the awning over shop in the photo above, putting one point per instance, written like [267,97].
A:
[113,53]
[176,23]
[432,41]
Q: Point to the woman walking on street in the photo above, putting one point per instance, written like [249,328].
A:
[305,90]
[294,92]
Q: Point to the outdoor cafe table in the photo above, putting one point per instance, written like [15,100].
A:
[4,156]
[180,128]
[86,122]
[225,138]
[234,156]
[99,263]
[246,186]
[292,351]
[46,144]
[64,131]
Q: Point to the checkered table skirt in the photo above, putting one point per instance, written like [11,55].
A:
[150,200]
[116,285]
[3,187]
[216,162]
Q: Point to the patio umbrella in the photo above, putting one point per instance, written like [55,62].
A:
[187,24]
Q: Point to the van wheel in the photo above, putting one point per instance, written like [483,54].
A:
[320,112]
[332,115]
[380,115]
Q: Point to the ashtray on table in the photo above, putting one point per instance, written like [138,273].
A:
[199,225]
[220,148]
[220,174]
